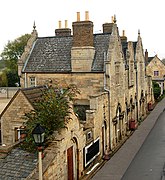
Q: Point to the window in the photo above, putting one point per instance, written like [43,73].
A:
[89,135]
[91,151]
[131,77]
[156,73]
[17,134]
[80,111]
[32,81]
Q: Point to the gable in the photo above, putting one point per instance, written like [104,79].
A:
[155,61]
[19,104]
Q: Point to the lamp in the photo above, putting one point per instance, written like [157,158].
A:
[38,135]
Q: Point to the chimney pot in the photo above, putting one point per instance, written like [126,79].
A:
[86,16]
[66,24]
[146,57]
[59,24]
[123,32]
[78,16]
[112,19]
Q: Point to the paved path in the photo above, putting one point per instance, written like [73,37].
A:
[115,168]
[148,164]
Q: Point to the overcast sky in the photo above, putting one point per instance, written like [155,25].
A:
[17,17]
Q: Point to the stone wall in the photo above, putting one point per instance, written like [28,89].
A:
[87,83]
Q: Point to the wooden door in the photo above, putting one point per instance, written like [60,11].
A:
[103,140]
[70,163]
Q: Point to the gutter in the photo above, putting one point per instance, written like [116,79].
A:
[107,90]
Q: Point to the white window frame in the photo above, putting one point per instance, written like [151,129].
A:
[32,81]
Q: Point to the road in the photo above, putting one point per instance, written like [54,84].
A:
[149,162]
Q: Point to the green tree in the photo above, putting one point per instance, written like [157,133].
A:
[3,79]
[51,111]
[10,55]
[156,90]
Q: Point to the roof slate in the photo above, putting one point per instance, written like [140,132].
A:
[18,165]
[53,54]
[33,93]
[101,44]
[50,54]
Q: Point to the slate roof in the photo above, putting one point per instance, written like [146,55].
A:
[50,54]
[18,165]
[33,93]
[101,44]
[53,54]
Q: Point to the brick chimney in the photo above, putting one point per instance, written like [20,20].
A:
[123,37]
[107,27]
[82,53]
[146,57]
[63,31]
[82,31]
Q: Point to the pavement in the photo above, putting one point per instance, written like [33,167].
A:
[115,168]
[3,103]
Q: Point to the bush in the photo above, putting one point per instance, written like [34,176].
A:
[156,90]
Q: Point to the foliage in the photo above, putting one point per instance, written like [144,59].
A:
[10,55]
[3,79]
[51,111]
[2,64]
[156,90]
[80,111]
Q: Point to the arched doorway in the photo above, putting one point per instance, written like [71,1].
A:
[73,160]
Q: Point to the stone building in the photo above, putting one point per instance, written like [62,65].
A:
[11,117]
[156,69]
[114,94]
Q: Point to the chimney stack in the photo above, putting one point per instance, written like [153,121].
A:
[63,31]
[82,31]
[83,51]
[146,57]
[123,37]
[107,28]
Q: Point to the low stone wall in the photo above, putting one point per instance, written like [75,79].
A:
[7,92]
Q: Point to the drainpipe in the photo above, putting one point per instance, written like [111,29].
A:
[105,89]
[25,81]
[137,99]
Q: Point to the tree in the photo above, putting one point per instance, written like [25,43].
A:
[3,79]
[156,90]
[10,55]
[51,111]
